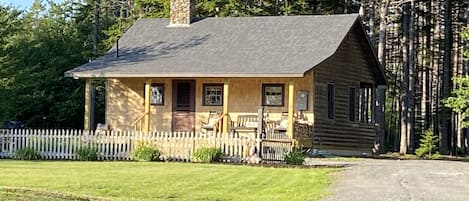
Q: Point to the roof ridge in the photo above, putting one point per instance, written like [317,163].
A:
[265,16]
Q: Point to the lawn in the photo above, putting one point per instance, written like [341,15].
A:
[64,180]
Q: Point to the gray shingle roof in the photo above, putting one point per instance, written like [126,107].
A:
[282,46]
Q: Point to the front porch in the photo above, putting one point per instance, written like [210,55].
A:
[259,107]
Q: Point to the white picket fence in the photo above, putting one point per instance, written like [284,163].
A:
[273,150]
[62,144]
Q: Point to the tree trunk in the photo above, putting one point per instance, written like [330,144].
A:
[96,29]
[371,24]
[382,31]
[405,82]
[411,83]
[427,68]
[381,91]
[445,119]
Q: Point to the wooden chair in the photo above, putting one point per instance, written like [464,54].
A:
[212,123]
[274,132]
[245,125]
[245,121]
[269,129]
[277,129]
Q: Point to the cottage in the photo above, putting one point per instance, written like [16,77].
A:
[169,74]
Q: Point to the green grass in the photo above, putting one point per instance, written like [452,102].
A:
[20,194]
[45,180]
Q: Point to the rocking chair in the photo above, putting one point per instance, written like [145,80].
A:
[212,123]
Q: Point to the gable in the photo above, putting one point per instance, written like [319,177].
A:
[354,61]
[368,51]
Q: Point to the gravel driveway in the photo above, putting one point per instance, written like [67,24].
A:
[394,180]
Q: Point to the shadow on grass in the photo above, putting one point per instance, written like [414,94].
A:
[15,193]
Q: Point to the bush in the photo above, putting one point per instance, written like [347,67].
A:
[428,146]
[27,153]
[207,155]
[145,152]
[87,154]
[295,157]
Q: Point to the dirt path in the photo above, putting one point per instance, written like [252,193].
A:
[395,180]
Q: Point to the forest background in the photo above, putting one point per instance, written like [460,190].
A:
[420,43]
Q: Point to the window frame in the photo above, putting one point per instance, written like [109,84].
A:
[162,85]
[333,101]
[352,109]
[264,86]
[366,108]
[204,93]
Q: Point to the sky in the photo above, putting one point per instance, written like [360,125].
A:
[22,4]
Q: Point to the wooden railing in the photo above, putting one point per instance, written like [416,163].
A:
[118,145]
[219,124]
[137,125]
[274,150]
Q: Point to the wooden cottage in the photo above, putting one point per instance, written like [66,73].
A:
[171,74]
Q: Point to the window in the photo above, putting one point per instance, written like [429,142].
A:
[213,94]
[330,101]
[352,97]
[366,103]
[302,100]
[157,94]
[272,94]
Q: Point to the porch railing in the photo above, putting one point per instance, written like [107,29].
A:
[273,150]
[137,125]
[118,145]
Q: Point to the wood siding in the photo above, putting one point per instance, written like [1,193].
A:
[351,65]
[125,104]
[125,100]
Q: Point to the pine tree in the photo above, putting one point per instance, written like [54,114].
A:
[428,146]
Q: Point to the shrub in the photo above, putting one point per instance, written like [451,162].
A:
[295,157]
[207,155]
[145,152]
[87,154]
[428,147]
[460,151]
[27,153]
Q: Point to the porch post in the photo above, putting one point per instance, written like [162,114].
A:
[87,116]
[146,124]
[226,92]
[291,100]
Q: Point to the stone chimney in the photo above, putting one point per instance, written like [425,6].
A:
[181,13]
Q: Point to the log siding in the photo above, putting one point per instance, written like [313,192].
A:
[351,65]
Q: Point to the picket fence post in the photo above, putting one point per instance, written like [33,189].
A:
[118,145]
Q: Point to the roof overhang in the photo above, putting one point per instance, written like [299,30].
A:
[78,75]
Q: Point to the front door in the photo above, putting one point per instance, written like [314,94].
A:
[183,105]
